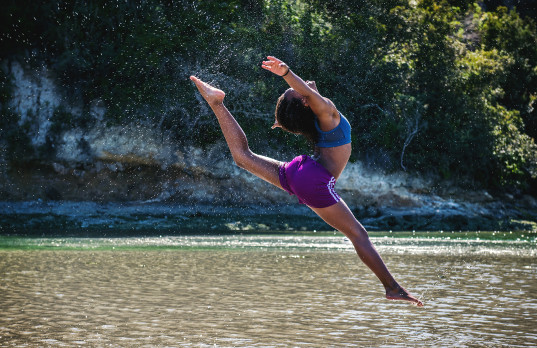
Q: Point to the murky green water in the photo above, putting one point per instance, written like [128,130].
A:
[265,291]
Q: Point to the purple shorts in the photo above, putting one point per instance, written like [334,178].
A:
[309,181]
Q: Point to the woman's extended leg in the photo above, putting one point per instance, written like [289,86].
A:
[264,167]
[341,218]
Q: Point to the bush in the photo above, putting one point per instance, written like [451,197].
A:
[431,86]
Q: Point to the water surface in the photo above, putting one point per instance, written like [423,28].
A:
[264,291]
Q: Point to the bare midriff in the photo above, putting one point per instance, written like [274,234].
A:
[334,159]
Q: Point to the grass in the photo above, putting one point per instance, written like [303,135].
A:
[184,241]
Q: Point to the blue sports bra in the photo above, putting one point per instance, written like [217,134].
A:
[338,136]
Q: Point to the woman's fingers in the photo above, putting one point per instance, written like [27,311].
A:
[269,64]
[274,65]
[274,59]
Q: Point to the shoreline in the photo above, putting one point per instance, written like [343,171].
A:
[123,219]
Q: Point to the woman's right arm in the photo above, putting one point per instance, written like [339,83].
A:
[322,107]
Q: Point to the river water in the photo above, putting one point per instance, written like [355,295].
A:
[264,291]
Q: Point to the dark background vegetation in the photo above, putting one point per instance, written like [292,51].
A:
[439,88]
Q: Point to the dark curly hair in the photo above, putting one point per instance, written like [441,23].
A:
[296,118]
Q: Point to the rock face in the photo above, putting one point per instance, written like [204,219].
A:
[137,162]
[128,162]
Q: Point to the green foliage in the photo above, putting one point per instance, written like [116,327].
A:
[515,152]
[435,86]
[510,34]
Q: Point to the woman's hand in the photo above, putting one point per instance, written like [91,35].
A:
[275,65]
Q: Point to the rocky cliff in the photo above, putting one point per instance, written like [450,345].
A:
[135,162]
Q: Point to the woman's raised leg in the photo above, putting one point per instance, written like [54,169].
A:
[341,218]
[264,167]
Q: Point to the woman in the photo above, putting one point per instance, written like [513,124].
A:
[302,110]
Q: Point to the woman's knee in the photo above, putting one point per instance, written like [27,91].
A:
[358,234]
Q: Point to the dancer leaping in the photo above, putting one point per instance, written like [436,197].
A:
[302,110]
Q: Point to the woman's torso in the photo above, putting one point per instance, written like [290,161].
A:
[334,147]
[334,159]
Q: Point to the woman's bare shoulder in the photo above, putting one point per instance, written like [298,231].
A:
[330,118]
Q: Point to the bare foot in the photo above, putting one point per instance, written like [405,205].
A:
[399,293]
[211,94]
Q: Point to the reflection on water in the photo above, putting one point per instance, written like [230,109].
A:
[260,296]
[419,244]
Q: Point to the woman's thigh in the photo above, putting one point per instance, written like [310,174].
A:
[263,167]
